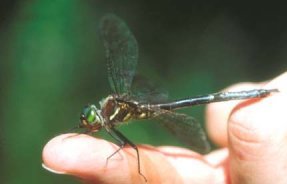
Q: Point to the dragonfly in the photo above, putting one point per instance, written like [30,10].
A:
[127,103]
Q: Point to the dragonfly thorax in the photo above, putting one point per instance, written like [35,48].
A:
[115,109]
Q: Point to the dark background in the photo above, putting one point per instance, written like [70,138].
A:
[52,63]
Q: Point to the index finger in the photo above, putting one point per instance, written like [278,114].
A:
[85,157]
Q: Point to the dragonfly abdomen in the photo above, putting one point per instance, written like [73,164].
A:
[215,97]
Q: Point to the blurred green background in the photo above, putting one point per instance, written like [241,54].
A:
[52,63]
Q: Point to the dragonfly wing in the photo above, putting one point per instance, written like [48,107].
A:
[121,52]
[145,91]
[186,129]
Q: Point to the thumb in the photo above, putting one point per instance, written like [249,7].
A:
[257,131]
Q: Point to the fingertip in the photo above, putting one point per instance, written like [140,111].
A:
[52,155]
[76,154]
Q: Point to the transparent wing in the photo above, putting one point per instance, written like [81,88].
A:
[145,91]
[121,53]
[186,129]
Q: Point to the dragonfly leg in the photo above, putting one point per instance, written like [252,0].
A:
[123,141]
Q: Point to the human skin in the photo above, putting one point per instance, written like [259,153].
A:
[251,135]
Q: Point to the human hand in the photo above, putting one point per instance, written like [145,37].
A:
[254,132]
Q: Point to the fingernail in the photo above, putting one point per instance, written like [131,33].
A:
[52,170]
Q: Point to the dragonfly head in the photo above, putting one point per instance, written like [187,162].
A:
[91,118]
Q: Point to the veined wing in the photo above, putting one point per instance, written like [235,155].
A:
[121,53]
[145,91]
[186,129]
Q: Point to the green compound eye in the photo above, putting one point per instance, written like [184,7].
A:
[90,114]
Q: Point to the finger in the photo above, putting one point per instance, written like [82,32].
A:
[217,114]
[85,157]
[257,133]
